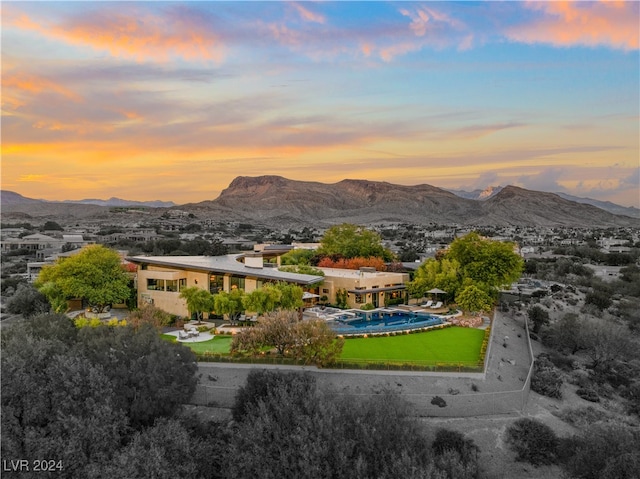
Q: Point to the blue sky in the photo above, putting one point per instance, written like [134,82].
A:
[172,100]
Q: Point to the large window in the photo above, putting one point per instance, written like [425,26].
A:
[155,284]
[182,284]
[216,283]
[237,282]
[171,285]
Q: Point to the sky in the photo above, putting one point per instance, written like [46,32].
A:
[173,100]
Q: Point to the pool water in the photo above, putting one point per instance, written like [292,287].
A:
[382,322]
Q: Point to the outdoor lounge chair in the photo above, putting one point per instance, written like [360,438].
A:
[427,304]
[438,305]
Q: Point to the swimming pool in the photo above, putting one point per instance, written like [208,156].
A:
[381,321]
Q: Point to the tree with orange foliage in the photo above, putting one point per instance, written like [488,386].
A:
[353,263]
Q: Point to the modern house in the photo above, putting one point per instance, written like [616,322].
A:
[161,278]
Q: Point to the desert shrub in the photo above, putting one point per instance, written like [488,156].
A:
[632,395]
[451,464]
[538,317]
[546,379]
[28,301]
[290,429]
[438,401]
[561,361]
[533,441]
[605,451]
[600,299]
[588,394]
[582,416]
[448,440]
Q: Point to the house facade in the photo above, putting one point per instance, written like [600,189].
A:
[364,286]
[161,278]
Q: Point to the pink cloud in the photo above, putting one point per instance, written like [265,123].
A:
[570,23]
[132,34]
[307,14]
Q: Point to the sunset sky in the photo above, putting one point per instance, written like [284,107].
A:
[172,101]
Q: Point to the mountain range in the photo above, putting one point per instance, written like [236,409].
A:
[274,200]
[604,205]
[13,198]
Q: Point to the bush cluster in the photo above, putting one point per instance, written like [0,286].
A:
[546,379]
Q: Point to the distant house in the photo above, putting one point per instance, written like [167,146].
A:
[32,242]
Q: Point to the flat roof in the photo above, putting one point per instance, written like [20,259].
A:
[355,273]
[225,264]
[377,290]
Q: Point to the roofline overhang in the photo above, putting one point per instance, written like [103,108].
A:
[250,272]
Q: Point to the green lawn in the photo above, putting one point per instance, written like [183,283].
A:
[449,345]
[217,345]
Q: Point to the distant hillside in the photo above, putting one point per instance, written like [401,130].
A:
[280,202]
[478,194]
[277,200]
[8,198]
[120,202]
[605,205]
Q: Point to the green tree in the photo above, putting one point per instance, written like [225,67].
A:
[198,301]
[493,263]
[263,299]
[290,296]
[474,299]
[297,257]
[341,298]
[302,269]
[231,304]
[443,274]
[316,343]
[95,274]
[350,241]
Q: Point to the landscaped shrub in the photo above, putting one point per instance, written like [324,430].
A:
[438,401]
[533,441]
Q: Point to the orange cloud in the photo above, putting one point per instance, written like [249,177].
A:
[570,23]
[132,34]
[25,82]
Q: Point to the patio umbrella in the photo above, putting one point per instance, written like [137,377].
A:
[436,291]
[307,295]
